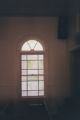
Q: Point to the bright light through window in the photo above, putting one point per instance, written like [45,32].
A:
[32,45]
[32,69]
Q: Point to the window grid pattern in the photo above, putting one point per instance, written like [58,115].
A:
[32,75]
[32,45]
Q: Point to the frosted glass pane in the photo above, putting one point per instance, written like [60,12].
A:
[32,57]
[24,85]
[23,57]
[23,78]
[41,77]
[24,93]
[24,64]
[41,64]
[41,85]
[32,72]
[32,85]
[32,77]
[24,72]
[25,47]
[32,93]
[41,72]
[38,47]
[32,64]
[40,57]
[32,43]
[41,93]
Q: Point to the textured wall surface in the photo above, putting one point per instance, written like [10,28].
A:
[12,32]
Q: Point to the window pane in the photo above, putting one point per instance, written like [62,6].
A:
[24,86]
[40,57]
[32,93]
[32,64]
[23,57]
[25,47]
[41,64]
[38,47]
[24,72]
[41,77]
[41,72]
[32,85]
[32,72]
[24,64]
[32,57]
[23,78]
[24,93]
[41,93]
[32,77]
[32,43]
[41,85]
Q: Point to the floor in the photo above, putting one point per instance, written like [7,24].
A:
[69,110]
[22,111]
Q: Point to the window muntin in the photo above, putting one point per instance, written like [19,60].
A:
[32,69]
[32,45]
[32,75]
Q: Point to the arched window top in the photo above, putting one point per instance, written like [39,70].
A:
[32,45]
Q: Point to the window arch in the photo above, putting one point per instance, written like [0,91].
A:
[32,69]
[32,45]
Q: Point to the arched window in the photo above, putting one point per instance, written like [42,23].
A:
[32,69]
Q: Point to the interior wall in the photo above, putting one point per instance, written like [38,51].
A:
[73,46]
[74,29]
[12,31]
[76,55]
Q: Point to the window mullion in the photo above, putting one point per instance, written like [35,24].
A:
[38,74]
[26,75]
